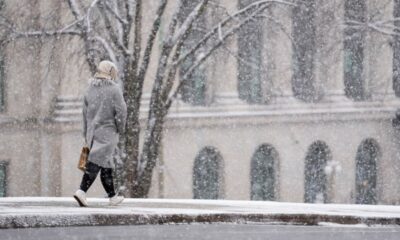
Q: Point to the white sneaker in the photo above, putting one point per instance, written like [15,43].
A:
[80,197]
[116,200]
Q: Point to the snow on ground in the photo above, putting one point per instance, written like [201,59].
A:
[68,206]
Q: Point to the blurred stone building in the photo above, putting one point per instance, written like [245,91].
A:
[298,109]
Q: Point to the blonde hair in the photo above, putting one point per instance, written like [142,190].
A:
[107,70]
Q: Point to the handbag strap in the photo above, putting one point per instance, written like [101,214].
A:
[87,145]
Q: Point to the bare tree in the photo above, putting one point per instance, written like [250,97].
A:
[113,30]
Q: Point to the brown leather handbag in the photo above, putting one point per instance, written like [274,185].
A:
[83,158]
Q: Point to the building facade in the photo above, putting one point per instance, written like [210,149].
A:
[299,109]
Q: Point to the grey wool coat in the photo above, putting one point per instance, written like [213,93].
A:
[104,118]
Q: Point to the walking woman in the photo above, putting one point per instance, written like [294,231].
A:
[104,117]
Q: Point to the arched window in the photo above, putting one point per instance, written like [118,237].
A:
[250,43]
[304,37]
[2,80]
[207,176]
[3,178]
[354,41]
[366,172]
[315,177]
[263,173]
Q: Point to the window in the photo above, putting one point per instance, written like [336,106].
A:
[366,172]
[3,179]
[250,43]
[194,89]
[315,177]
[2,79]
[303,79]
[354,40]
[207,177]
[263,173]
[396,49]
[2,63]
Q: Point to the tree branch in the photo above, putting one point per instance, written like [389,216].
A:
[117,41]
[106,47]
[386,29]
[17,34]
[74,9]
[280,25]
[151,40]
[226,21]
[115,13]
[176,40]
[137,41]
[129,20]
[92,5]
[64,30]
[128,8]
[199,61]
[187,24]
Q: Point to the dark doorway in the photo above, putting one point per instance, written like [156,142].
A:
[263,173]
[315,177]
[207,174]
[366,172]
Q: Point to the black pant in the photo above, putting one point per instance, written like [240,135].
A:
[105,175]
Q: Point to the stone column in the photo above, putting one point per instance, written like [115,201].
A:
[278,53]
[378,52]
[222,82]
[329,49]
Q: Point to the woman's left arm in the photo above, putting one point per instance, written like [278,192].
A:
[120,111]
[84,113]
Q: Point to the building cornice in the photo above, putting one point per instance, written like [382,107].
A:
[228,110]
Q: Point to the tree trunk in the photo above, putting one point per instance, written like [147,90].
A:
[132,133]
[150,152]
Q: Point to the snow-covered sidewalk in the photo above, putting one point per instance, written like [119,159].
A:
[55,212]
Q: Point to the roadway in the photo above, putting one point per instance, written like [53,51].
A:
[205,231]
